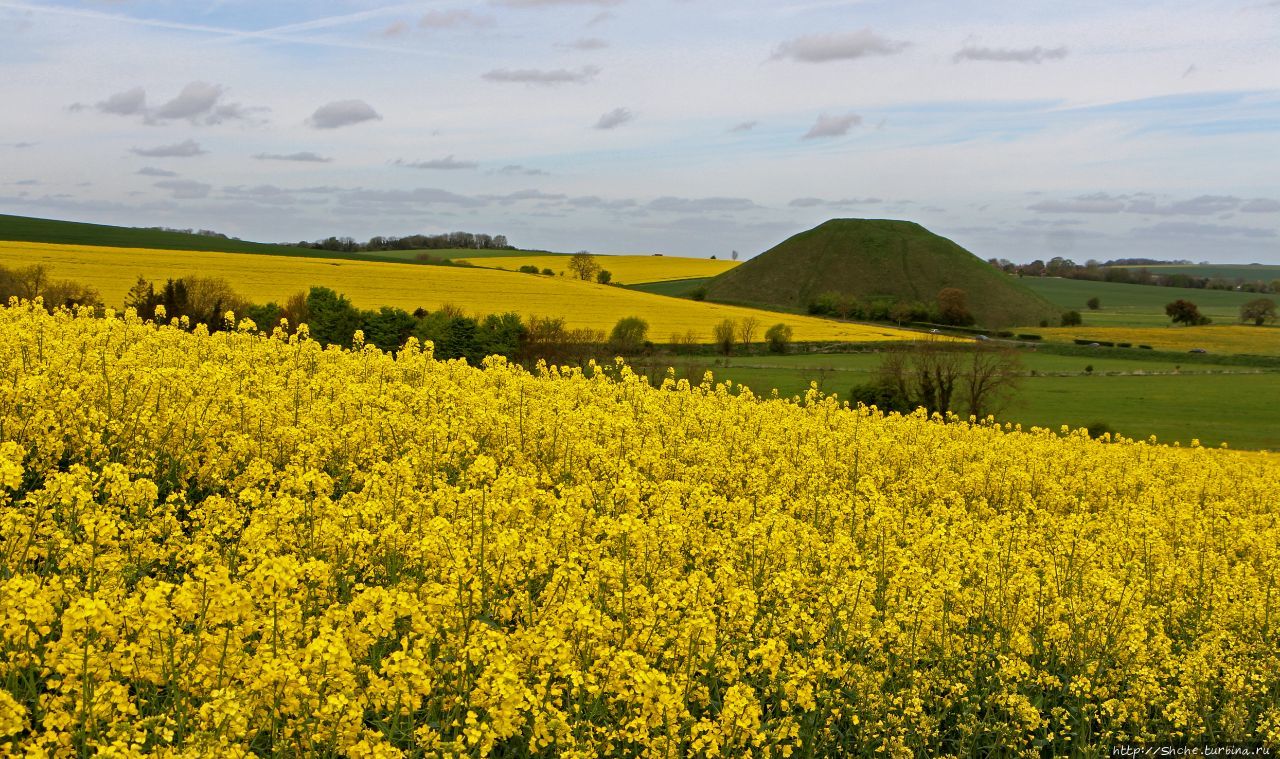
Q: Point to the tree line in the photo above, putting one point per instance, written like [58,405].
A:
[1123,271]
[467,240]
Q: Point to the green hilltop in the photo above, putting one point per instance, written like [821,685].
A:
[878,258]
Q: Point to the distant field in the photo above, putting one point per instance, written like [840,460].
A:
[674,288]
[1208,402]
[1135,305]
[626,270]
[1246,272]
[265,278]
[1226,338]
[27,229]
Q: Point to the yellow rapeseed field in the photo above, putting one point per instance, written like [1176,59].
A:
[626,270]
[1225,338]
[372,284]
[238,545]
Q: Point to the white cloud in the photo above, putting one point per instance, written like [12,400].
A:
[185,189]
[342,113]
[305,156]
[615,118]
[833,126]
[1010,55]
[448,163]
[549,77]
[842,46]
[184,149]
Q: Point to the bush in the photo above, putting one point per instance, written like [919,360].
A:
[1072,319]
[699,293]
[724,335]
[779,337]
[1098,429]
[1094,304]
[1030,337]
[604,276]
[548,272]
[528,269]
[629,335]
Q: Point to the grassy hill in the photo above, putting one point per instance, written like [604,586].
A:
[877,257]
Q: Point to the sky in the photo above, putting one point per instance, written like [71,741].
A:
[1021,129]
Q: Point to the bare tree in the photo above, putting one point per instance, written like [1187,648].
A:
[584,265]
[723,334]
[747,329]
[943,377]
[992,376]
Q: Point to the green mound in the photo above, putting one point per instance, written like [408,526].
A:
[878,259]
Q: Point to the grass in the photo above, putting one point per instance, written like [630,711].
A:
[867,258]
[30,229]
[1135,305]
[372,284]
[1166,398]
[674,288]
[626,270]
[1231,272]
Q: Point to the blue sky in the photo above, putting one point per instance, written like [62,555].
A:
[1021,130]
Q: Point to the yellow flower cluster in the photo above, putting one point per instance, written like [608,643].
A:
[237,545]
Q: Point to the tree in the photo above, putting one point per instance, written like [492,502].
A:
[723,335]
[604,276]
[779,337]
[142,298]
[937,375]
[992,376]
[1185,312]
[1072,319]
[747,329]
[734,255]
[1259,311]
[952,308]
[387,328]
[333,320]
[628,335]
[1094,303]
[584,265]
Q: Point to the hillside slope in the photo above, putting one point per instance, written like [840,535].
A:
[878,257]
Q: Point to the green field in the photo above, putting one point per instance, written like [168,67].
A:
[1173,399]
[1231,272]
[1135,305]
[676,288]
[28,229]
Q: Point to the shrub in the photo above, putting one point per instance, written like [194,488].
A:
[779,337]
[1072,319]
[604,276]
[1098,429]
[547,272]
[528,269]
[724,334]
[629,335]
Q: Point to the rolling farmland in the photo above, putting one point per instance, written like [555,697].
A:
[369,285]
